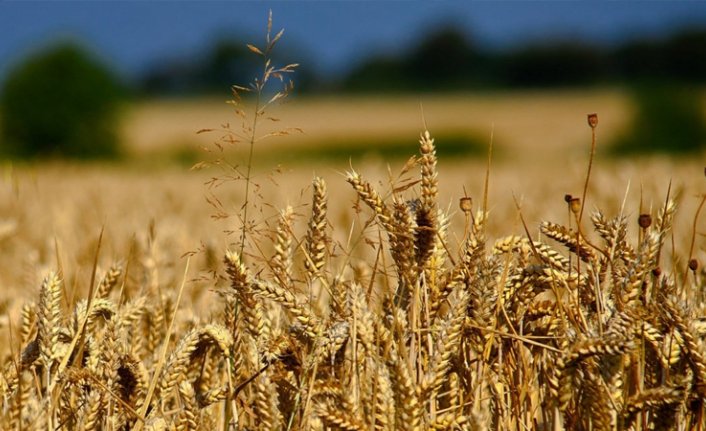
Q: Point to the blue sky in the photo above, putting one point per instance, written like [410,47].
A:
[135,34]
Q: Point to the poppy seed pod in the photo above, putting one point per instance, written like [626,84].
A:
[466,204]
[593,120]
[575,205]
[693,264]
[645,221]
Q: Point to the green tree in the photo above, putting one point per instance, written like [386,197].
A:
[445,59]
[60,102]
[669,118]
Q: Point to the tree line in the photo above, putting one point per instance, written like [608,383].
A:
[448,60]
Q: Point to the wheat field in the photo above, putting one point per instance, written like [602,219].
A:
[368,297]
[540,287]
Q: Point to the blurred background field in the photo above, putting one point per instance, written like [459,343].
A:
[523,124]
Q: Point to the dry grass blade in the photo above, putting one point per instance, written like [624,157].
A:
[162,357]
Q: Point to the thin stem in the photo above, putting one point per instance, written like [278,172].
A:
[487,172]
[693,238]
[588,174]
[661,226]
[583,205]
[249,168]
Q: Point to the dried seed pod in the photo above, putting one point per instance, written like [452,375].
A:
[693,264]
[645,221]
[593,120]
[575,205]
[657,271]
[466,204]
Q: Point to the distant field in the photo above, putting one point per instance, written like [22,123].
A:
[524,125]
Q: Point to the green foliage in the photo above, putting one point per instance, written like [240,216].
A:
[60,103]
[668,119]
[554,64]
[447,59]
[680,57]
